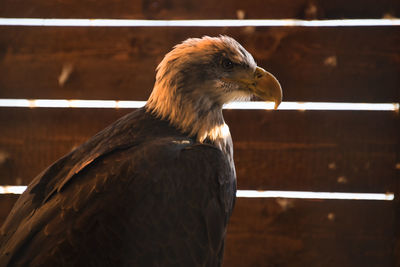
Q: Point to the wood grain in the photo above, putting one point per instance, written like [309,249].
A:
[284,232]
[282,150]
[351,64]
[180,9]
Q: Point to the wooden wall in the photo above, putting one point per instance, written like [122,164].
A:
[342,151]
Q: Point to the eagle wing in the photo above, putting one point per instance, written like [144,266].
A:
[159,203]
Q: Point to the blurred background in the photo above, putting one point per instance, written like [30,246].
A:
[318,50]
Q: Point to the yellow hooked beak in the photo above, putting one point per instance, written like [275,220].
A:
[260,83]
[266,86]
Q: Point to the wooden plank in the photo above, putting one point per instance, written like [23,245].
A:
[396,249]
[282,150]
[353,64]
[179,9]
[54,134]
[341,151]
[284,232]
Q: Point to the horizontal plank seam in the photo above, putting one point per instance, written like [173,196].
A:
[197,23]
[7,189]
[257,105]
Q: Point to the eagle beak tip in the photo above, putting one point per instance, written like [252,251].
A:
[278,100]
[268,87]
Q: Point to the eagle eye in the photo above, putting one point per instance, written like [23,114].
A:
[227,64]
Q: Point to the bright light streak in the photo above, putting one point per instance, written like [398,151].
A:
[315,106]
[64,103]
[22,103]
[9,189]
[93,104]
[130,104]
[195,23]
[313,195]
[49,103]
[12,189]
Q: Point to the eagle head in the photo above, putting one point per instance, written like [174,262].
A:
[199,76]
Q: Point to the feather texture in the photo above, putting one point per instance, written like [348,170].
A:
[127,197]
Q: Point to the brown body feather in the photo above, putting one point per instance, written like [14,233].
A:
[143,194]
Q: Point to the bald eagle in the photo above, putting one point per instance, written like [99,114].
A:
[155,188]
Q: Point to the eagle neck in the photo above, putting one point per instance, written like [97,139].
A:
[198,117]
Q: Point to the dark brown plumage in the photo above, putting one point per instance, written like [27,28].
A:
[157,187]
